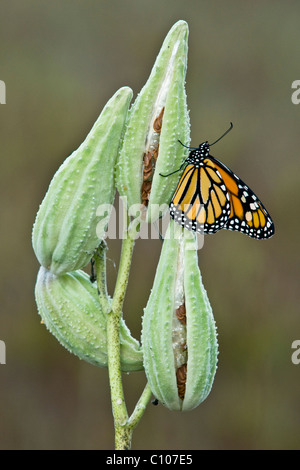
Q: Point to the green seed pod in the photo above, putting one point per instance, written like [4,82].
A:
[179,337]
[157,119]
[66,230]
[69,307]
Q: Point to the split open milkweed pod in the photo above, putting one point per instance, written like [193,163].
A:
[179,337]
[69,307]
[157,119]
[66,230]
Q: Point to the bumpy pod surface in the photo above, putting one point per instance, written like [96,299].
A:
[70,223]
[179,336]
[157,119]
[69,307]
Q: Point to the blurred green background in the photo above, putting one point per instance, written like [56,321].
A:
[61,61]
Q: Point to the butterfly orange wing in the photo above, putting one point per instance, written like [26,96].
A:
[247,213]
[201,202]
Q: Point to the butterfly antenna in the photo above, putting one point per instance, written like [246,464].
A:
[186,146]
[228,130]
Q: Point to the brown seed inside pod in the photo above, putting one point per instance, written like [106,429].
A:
[146,189]
[181,380]
[181,314]
[158,122]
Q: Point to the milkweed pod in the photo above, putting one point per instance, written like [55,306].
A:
[65,233]
[157,119]
[179,336]
[69,307]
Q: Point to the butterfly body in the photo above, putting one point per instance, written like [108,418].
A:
[209,197]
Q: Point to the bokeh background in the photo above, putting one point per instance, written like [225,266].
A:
[61,61]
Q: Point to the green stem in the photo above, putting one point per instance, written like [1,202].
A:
[124,426]
[124,268]
[123,433]
[100,265]
[140,407]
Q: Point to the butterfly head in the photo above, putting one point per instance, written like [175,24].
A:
[204,149]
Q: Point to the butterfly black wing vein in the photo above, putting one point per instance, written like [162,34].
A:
[209,197]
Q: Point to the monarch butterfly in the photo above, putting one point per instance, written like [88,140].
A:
[209,197]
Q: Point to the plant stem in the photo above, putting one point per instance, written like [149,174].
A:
[123,426]
[124,268]
[122,433]
[140,407]
[100,265]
